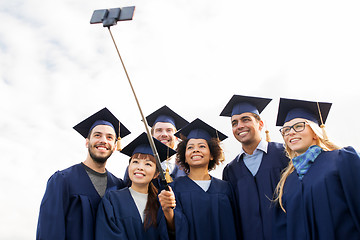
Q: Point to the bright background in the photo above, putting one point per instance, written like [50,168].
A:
[56,69]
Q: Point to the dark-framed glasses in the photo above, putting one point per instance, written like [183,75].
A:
[298,127]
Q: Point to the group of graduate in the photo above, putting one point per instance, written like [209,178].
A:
[304,188]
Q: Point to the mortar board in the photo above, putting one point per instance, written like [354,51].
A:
[239,104]
[291,108]
[165,114]
[200,130]
[102,117]
[141,144]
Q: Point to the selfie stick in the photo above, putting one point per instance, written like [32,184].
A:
[109,17]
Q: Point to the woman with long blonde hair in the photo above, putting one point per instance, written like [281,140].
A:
[318,195]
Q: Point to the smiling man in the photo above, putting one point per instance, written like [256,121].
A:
[255,172]
[71,199]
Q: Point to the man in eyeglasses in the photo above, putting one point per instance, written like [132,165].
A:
[255,172]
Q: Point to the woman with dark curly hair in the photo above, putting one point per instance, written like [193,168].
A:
[204,201]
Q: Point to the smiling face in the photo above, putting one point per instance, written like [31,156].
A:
[142,169]
[164,132]
[300,141]
[246,128]
[197,153]
[101,143]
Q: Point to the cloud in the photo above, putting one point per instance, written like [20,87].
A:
[57,69]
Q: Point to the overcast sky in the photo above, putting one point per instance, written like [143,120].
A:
[56,69]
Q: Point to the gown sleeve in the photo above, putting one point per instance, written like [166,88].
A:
[181,223]
[225,176]
[349,172]
[51,223]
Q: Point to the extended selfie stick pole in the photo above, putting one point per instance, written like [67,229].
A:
[151,140]
[109,18]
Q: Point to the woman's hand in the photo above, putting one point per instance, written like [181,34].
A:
[168,203]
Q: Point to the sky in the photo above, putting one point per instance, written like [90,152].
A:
[56,69]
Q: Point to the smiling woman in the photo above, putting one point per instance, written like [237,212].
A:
[132,213]
[318,194]
[207,203]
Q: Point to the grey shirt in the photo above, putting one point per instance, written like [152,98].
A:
[99,180]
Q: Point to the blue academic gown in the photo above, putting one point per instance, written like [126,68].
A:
[253,194]
[118,219]
[68,208]
[325,204]
[209,214]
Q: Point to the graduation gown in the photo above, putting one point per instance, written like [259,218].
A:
[253,194]
[68,208]
[209,214]
[119,218]
[325,204]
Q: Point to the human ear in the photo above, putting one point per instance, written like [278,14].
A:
[315,137]
[261,124]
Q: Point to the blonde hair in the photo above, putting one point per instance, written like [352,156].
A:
[321,141]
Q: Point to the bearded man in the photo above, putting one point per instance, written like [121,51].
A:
[68,208]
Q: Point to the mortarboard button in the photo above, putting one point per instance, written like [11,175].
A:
[102,117]
[200,130]
[239,104]
[316,112]
[165,114]
[292,108]
[141,145]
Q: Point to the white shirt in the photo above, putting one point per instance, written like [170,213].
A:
[170,163]
[204,184]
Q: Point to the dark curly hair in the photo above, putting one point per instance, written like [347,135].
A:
[215,151]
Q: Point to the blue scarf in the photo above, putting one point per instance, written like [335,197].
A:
[303,162]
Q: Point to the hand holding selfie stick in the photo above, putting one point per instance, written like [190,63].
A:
[109,17]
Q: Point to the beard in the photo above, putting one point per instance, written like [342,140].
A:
[96,157]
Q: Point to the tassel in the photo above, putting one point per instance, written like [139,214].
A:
[118,144]
[322,126]
[167,176]
[268,139]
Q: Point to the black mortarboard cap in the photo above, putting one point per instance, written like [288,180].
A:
[141,145]
[102,117]
[200,130]
[165,114]
[239,104]
[293,108]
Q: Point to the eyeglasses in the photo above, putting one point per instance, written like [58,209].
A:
[298,127]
